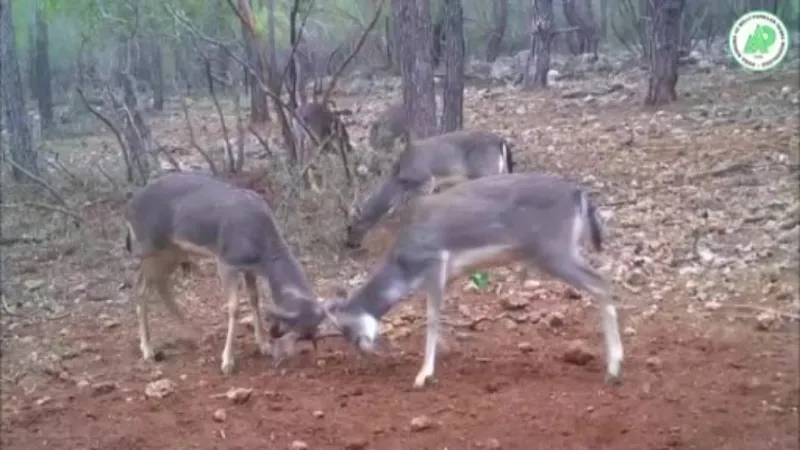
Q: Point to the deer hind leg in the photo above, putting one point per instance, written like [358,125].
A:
[571,268]
[229,280]
[258,326]
[140,293]
[435,287]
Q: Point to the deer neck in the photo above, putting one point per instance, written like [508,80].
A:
[387,287]
[286,277]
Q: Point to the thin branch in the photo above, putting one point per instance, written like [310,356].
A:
[38,180]
[109,124]
[225,135]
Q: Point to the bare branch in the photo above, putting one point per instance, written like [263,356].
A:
[225,136]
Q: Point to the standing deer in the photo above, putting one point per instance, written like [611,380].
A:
[182,216]
[535,218]
[429,164]
[321,130]
[390,126]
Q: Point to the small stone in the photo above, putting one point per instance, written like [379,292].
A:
[514,303]
[103,388]
[34,285]
[653,363]
[525,347]
[532,284]
[43,400]
[577,353]
[421,423]
[493,444]
[555,319]
[247,321]
[318,414]
[159,388]
[629,331]
[765,320]
[219,415]
[356,444]
[298,445]
[111,324]
[239,395]
[82,383]
[712,305]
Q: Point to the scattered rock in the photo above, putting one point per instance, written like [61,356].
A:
[43,400]
[712,305]
[298,445]
[111,324]
[514,303]
[82,383]
[525,347]
[629,331]
[219,415]
[239,395]
[159,388]
[356,444]
[555,319]
[766,320]
[34,285]
[653,363]
[318,414]
[578,353]
[103,388]
[493,444]
[421,423]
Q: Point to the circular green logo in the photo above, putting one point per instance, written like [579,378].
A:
[759,41]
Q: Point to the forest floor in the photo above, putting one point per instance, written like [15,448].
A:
[700,206]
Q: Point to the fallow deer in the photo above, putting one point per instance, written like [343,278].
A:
[429,164]
[390,126]
[184,216]
[535,218]
[321,130]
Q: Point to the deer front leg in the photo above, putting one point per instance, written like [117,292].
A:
[228,280]
[139,291]
[433,319]
[258,326]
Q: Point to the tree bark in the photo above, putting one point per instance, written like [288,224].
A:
[498,31]
[258,98]
[44,89]
[19,136]
[542,33]
[583,19]
[453,114]
[664,51]
[415,33]
[158,75]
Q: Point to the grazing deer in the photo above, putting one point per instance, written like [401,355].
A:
[329,135]
[428,164]
[390,126]
[535,218]
[182,216]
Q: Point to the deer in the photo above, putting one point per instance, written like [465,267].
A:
[321,130]
[183,216]
[538,219]
[390,126]
[425,166]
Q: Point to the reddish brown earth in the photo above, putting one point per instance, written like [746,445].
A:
[716,386]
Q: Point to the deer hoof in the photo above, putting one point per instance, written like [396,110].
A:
[228,366]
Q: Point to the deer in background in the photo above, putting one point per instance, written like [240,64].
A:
[182,216]
[427,165]
[321,131]
[535,218]
[389,126]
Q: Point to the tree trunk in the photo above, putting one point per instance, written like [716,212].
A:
[542,37]
[498,31]
[645,27]
[158,75]
[19,136]
[583,19]
[664,52]
[415,33]
[44,89]
[258,97]
[453,114]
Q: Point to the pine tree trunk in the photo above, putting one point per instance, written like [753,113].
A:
[453,109]
[664,52]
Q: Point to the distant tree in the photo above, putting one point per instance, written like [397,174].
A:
[664,51]
[498,31]
[20,147]
[412,19]
[453,109]
[542,33]
[43,90]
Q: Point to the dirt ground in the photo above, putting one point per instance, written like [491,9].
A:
[711,353]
